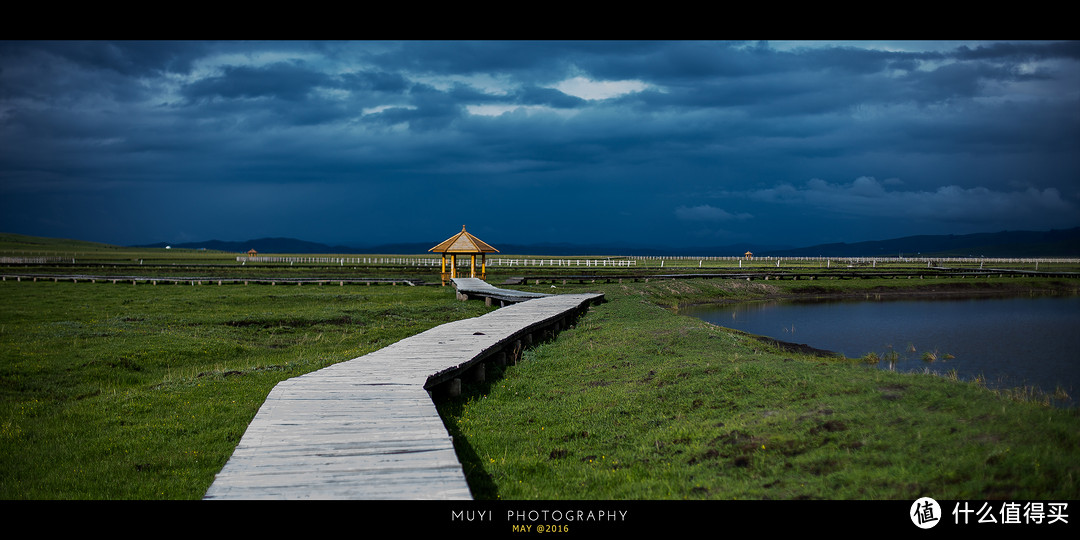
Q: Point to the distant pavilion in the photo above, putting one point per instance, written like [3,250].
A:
[463,243]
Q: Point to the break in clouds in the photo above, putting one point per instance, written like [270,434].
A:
[660,142]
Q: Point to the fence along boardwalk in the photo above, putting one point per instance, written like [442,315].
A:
[367,428]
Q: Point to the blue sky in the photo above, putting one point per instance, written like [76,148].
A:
[672,143]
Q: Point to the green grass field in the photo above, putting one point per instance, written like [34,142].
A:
[142,392]
[638,402]
[115,391]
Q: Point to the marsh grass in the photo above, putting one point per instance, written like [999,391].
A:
[891,356]
[121,392]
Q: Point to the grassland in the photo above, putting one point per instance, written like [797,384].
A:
[638,402]
[111,391]
[141,392]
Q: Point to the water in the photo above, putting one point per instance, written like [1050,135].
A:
[1007,341]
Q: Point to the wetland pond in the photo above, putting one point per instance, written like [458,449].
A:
[1007,341]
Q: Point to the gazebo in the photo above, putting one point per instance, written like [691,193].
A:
[463,243]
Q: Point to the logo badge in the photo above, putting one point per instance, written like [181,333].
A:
[925,513]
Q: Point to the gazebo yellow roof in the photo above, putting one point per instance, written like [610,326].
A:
[463,242]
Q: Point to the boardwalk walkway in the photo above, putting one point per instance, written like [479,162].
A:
[472,287]
[367,428]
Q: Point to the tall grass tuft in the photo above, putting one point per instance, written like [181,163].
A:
[1060,394]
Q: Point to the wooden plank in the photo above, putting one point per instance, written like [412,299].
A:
[367,428]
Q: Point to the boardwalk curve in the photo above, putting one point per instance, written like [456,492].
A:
[367,428]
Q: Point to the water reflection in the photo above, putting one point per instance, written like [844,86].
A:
[1006,341]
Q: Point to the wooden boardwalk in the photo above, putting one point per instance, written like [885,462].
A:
[367,428]
[477,288]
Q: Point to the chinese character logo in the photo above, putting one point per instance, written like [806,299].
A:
[925,513]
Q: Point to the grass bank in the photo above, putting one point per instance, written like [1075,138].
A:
[638,402]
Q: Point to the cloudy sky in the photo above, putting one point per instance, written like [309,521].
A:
[679,143]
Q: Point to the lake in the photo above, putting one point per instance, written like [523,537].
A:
[1008,341]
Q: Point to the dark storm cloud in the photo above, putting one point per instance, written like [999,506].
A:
[1019,51]
[535,95]
[869,197]
[376,81]
[672,141]
[529,61]
[131,58]
[284,80]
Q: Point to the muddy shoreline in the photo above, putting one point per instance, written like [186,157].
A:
[799,348]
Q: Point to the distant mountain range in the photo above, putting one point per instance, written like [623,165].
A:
[1053,243]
